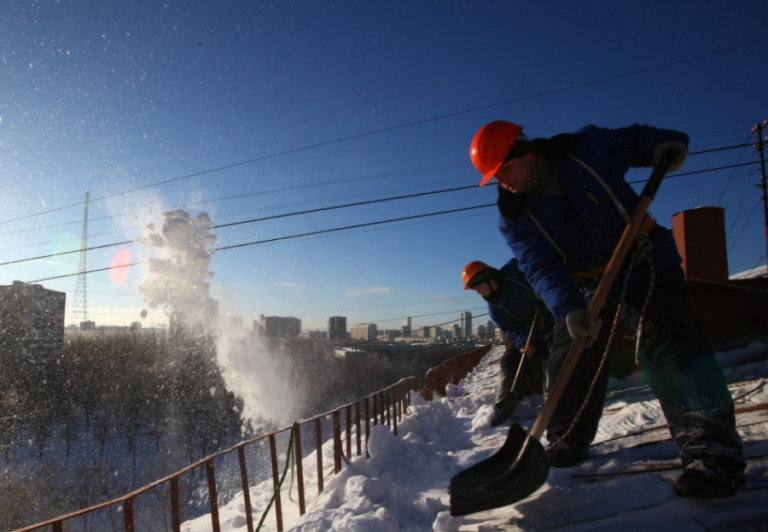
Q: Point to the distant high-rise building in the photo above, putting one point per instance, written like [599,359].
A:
[480,331]
[426,331]
[337,328]
[490,328]
[367,331]
[407,326]
[31,321]
[466,324]
[282,327]
[456,331]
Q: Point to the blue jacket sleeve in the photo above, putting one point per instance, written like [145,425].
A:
[613,151]
[542,265]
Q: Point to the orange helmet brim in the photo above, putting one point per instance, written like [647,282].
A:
[490,175]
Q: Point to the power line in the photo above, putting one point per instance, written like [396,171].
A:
[730,177]
[289,237]
[299,213]
[326,183]
[263,219]
[741,204]
[724,148]
[404,125]
[355,226]
[396,173]
[743,227]
[336,207]
[695,172]
[751,261]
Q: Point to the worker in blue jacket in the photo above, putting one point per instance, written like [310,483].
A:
[564,204]
[527,327]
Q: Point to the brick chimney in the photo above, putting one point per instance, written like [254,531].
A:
[700,237]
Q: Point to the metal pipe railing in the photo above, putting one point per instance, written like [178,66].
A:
[388,406]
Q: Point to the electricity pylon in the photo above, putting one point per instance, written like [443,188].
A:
[80,304]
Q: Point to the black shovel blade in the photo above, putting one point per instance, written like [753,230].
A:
[515,471]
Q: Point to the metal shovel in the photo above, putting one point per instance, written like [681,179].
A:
[520,467]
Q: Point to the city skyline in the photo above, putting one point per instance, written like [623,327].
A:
[264,323]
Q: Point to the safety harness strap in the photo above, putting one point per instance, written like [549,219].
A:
[649,223]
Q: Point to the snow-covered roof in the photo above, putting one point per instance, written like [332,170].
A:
[626,484]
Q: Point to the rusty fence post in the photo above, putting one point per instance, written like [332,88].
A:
[393,394]
[430,381]
[319,452]
[58,526]
[357,429]
[336,441]
[246,488]
[349,431]
[299,468]
[175,508]
[213,495]
[367,427]
[276,483]
[128,515]
[375,409]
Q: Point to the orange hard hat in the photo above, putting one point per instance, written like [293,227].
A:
[472,269]
[491,146]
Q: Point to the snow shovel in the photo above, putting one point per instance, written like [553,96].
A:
[520,467]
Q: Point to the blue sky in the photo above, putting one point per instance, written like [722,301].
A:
[118,96]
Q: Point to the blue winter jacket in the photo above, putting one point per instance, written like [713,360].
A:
[585,223]
[515,309]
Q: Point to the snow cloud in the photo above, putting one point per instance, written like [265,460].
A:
[178,284]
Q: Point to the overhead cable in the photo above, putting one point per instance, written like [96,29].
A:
[289,237]
[255,220]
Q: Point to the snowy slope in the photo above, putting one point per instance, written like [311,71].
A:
[403,486]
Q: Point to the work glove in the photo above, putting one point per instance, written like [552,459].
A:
[577,324]
[680,150]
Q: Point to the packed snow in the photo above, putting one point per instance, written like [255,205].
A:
[403,486]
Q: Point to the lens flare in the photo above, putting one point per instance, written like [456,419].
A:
[118,272]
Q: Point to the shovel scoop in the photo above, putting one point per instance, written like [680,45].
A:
[511,474]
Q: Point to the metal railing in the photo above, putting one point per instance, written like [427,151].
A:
[385,407]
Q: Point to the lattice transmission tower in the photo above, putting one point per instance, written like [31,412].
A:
[80,304]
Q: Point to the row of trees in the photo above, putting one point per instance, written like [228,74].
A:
[113,412]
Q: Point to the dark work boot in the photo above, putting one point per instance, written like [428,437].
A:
[703,479]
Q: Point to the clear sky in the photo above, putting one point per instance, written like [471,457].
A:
[254,109]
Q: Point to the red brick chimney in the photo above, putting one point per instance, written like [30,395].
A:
[700,237]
